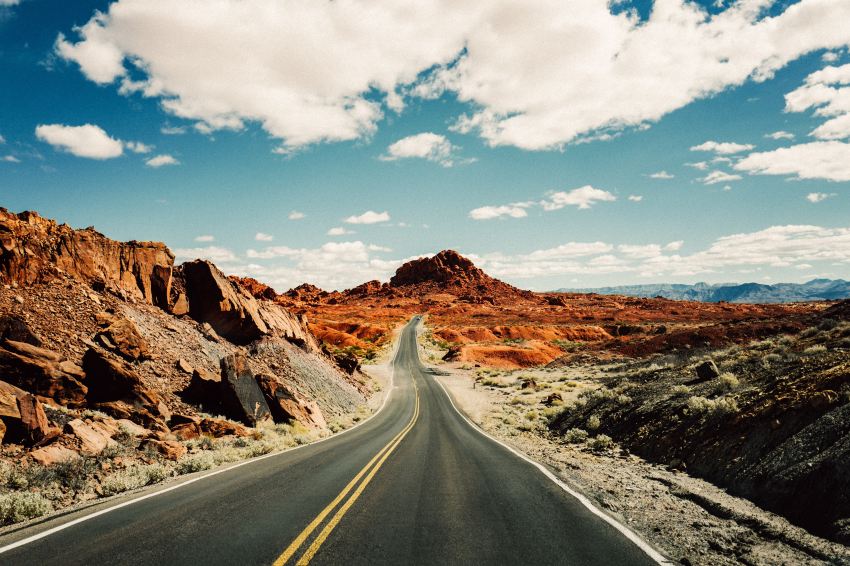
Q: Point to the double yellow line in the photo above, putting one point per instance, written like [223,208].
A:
[380,458]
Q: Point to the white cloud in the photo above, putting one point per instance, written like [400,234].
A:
[369,217]
[722,148]
[818,197]
[699,165]
[2,139]
[10,159]
[635,198]
[334,265]
[427,145]
[814,160]
[173,130]
[161,161]
[262,237]
[662,175]
[777,246]
[719,177]
[88,140]
[339,231]
[582,197]
[295,215]
[205,238]
[214,254]
[138,147]
[780,135]
[537,74]
[516,210]
[829,57]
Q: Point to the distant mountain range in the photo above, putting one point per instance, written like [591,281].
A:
[814,290]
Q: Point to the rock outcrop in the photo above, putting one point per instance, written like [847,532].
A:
[233,312]
[34,249]
[287,405]
[112,379]
[42,372]
[242,398]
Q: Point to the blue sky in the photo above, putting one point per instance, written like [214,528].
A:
[556,147]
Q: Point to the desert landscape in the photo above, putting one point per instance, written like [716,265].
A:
[123,370]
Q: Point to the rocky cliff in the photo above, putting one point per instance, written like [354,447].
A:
[34,250]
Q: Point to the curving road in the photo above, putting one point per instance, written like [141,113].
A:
[416,484]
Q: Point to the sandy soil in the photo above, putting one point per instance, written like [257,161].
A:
[689,520]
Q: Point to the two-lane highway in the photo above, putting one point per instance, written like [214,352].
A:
[416,484]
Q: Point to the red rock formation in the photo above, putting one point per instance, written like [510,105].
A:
[34,249]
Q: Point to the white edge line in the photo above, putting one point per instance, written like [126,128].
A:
[623,529]
[90,516]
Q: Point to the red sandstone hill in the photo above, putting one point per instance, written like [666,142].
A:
[484,320]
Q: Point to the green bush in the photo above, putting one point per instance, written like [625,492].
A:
[22,505]
[600,443]
[195,463]
[575,436]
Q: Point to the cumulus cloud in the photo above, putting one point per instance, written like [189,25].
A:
[814,160]
[205,238]
[515,210]
[534,75]
[818,197]
[138,147]
[635,198]
[722,148]
[10,159]
[582,198]
[661,175]
[369,217]
[427,145]
[780,135]
[214,254]
[719,177]
[339,231]
[263,237]
[88,140]
[296,215]
[161,161]
[777,246]
[334,265]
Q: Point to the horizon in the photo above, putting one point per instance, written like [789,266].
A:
[575,174]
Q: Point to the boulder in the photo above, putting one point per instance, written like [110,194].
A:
[42,372]
[112,379]
[220,427]
[214,299]
[186,431]
[347,362]
[53,454]
[706,371]
[92,440]
[553,399]
[286,405]
[15,328]
[184,366]
[123,338]
[139,415]
[204,389]
[169,449]
[2,431]
[9,400]
[33,419]
[242,398]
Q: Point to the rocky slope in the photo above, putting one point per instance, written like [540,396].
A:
[769,421]
[98,338]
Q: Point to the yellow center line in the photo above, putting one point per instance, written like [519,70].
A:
[308,530]
[311,551]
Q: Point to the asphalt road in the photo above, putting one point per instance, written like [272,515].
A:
[416,484]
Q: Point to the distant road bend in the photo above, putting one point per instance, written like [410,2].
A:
[415,484]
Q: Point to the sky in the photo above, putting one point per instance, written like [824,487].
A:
[574,143]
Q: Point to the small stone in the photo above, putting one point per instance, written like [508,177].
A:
[184,366]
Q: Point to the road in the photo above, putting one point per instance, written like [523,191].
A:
[415,484]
